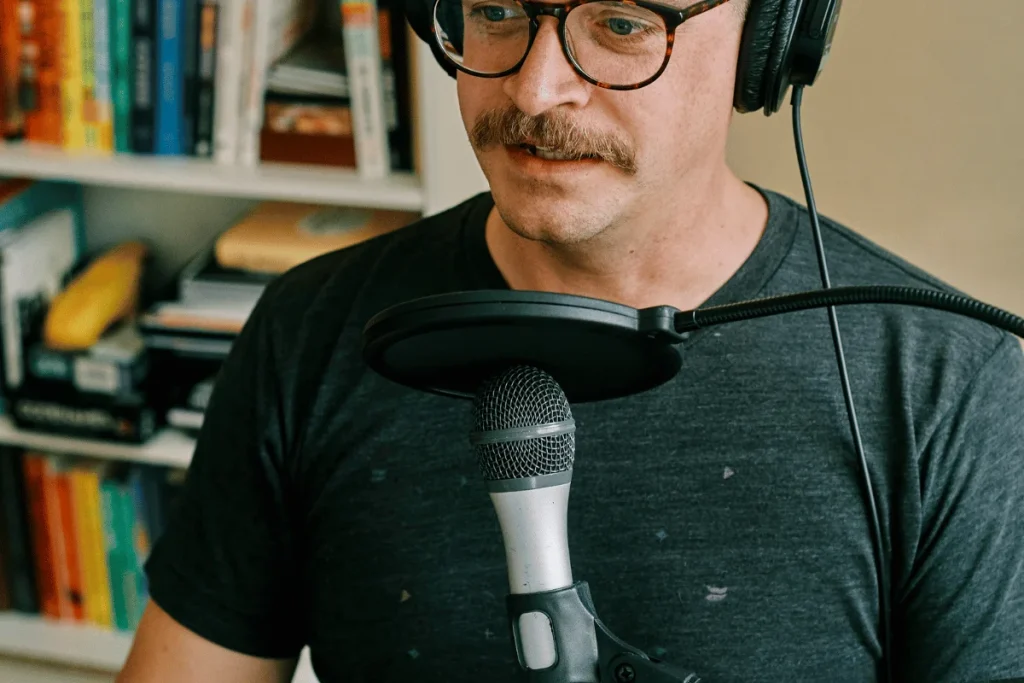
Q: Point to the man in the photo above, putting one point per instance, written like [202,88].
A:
[719,519]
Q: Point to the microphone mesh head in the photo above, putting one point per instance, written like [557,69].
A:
[522,397]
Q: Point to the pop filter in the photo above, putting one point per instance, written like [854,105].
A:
[450,343]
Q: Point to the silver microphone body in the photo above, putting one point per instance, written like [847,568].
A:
[524,438]
[533,526]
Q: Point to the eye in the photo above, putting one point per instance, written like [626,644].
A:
[621,26]
[494,13]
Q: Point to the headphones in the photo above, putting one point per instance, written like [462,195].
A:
[785,43]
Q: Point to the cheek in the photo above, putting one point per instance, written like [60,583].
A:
[467,100]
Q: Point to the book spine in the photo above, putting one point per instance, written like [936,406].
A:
[12,115]
[134,585]
[190,55]
[251,114]
[103,96]
[16,553]
[90,110]
[143,76]
[206,76]
[42,118]
[56,523]
[33,467]
[397,83]
[102,600]
[95,577]
[233,30]
[112,536]
[360,33]
[170,95]
[71,84]
[121,73]
[72,587]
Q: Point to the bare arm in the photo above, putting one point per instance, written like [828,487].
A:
[164,650]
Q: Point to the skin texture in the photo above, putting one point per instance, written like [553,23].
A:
[668,227]
[164,650]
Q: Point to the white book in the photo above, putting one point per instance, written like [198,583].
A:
[34,262]
[278,25]
[360,33]
[233,28]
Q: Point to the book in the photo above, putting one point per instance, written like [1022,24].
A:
[276,236]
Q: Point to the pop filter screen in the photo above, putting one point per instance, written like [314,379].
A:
[450,343]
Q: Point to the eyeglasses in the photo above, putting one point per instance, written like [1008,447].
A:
[614,44]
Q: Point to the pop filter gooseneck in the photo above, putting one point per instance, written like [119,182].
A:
[449,344]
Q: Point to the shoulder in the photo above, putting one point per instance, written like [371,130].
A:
[347,286]
[927,358]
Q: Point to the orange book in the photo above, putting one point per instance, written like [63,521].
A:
[57,557]
[34,466]
[43,120]
[72,588]
[11,116]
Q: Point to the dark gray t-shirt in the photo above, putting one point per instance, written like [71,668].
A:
[718,519]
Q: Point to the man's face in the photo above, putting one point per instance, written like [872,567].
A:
[646,144]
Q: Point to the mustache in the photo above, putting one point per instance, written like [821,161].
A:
[510,126]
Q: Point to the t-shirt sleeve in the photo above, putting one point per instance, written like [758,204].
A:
[960,616]
[224,567]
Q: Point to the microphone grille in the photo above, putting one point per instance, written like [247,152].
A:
[508,410]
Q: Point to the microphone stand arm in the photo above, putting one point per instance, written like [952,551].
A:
[587,652]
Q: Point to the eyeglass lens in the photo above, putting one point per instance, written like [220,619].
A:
[612,42]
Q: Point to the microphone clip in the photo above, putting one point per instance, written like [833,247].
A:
[586,651]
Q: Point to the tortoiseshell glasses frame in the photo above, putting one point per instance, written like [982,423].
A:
[672,16]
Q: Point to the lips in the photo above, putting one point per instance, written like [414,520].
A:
[551,154]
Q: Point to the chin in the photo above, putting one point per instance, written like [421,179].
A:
[564,221]
[562,213]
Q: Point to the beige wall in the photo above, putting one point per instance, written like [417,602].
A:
[915,138]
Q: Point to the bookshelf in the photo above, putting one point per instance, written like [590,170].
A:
[169,447]
[447,170]
[177,204]
[34,638]
[189,175]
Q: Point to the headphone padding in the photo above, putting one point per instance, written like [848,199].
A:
[418,13]
[756,53]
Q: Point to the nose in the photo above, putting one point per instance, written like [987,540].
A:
[546,79]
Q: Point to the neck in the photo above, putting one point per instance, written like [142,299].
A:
[677,253]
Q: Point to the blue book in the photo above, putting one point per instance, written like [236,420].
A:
[22,201]
[170,50]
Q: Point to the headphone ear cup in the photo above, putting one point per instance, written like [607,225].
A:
[767,36]
[419,13]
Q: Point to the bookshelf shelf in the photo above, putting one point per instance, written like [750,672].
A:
[32,637]
[189,175]
[169,447]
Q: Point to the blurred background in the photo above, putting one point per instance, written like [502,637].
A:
[139,224]
[914,139]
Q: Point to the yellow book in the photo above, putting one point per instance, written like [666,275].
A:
[85,481]
[276,236]
[71,90]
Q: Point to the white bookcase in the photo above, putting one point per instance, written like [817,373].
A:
[178,204]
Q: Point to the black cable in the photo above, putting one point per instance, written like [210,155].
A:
[881,563]
[686,321]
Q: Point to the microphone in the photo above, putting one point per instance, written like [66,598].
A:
[524,439]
